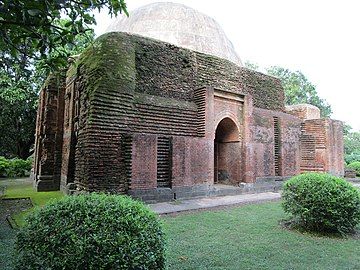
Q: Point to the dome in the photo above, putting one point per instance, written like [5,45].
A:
[179,25]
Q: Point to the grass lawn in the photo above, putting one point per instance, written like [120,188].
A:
[249,237]
[22,188]
[245,237]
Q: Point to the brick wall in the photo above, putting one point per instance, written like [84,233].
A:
[49,134]
[262,143]
[165,70]
[322,146]
[125,92]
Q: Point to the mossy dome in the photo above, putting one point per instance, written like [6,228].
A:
[179,25]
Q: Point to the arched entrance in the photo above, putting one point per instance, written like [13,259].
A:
[227,153]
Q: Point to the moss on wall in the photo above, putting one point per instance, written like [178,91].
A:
[130,63]
[131,84]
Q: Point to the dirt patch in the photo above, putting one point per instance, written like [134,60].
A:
[12,206]
[7,234]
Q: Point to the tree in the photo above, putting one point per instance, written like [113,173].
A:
[33,29]
[19,87]
[37,37]
[17,115]
[352,147]
[251,65]
[298,89]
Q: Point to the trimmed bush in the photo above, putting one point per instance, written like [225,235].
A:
[322,202]
[355,166]
[95,231]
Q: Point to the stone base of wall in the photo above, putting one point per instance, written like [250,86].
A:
[45,183]
[350,173]
[265,184]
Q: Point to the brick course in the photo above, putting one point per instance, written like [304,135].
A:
[125,92]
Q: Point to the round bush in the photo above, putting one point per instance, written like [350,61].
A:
[355,166]
[322,202]
[95,231]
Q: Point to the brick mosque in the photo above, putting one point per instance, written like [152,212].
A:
[160,107]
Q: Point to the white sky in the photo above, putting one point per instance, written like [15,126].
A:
[320,38]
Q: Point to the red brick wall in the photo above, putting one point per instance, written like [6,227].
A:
[336,147]
[192,161]
[262,143]
[322,146]
[49,133]
[143,169]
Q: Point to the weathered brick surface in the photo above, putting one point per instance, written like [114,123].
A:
[262,143]
[144,173]
[126,93]
[304,111]
[49,134]
[322,146]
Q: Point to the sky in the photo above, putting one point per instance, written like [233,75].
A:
[319,38]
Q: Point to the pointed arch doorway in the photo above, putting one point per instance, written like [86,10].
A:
[227,153]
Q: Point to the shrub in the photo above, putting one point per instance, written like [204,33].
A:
[94,231]
[355,166]
[18,167]
[350,158]
[322,203]
[4,165]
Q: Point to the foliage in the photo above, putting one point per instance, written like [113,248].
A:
[14,167]
[352,142]
[322,203]
[251,65]
[18,101]
[4,165]
[347,128]
[245,237]
[353,157]
[19,87]
[298,89]
[37,37]
[19,167]
[95,231]
[355,166]
[33,29]
[352,147]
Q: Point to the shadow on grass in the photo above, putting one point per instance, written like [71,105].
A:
[291,225]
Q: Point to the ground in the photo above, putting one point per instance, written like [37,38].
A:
[241,237]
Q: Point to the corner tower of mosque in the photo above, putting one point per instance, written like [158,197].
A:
[160,112]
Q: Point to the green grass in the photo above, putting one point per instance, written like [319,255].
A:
[249,237]
[22,188]
[246,237]
[19,188]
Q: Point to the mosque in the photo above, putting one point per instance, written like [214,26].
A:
[160,108]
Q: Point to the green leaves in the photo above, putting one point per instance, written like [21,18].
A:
[36,23]
[298,89]
[355,166]
[94,231]
[21,78]
[322,202]
[15,167]
[352,146]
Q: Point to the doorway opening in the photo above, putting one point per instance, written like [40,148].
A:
[227,153]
